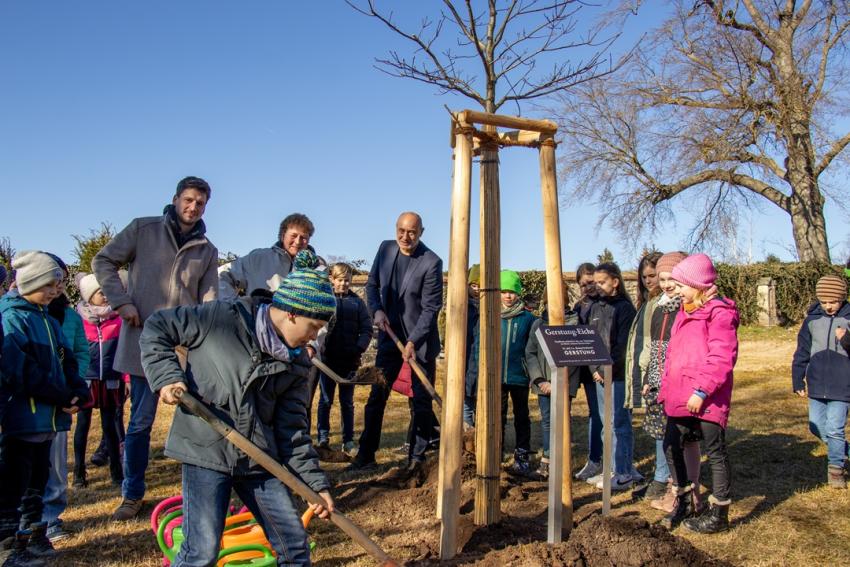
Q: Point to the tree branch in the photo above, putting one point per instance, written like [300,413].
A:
[836,148]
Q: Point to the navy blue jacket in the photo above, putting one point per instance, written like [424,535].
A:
[820,360]
[352,329]
[420,297]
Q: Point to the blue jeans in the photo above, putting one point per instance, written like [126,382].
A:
[327,387]
[469,410]
[206,495]
[594,422]
[56,491]
[827,419]
[662,469]
[623,448]
[137,442]
[545,403]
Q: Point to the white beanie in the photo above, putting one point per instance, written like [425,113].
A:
[34,270]
[88,287]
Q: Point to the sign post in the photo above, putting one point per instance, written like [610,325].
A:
[565,346]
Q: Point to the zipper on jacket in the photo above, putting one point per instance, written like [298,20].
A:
[53,350]
[507,357]
[100,350]
[829,338]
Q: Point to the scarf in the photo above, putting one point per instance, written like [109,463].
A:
[513,310]
[669,304]
[270,342]
[95,314]
[182,238]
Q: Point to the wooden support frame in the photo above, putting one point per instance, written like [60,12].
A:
[466,140]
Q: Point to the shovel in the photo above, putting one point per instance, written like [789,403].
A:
[423,379]
[294,483]
[362,377]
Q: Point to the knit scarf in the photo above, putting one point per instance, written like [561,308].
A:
[669,304]
[270,342]
[513,310]
[95,314]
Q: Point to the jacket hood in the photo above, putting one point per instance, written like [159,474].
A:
[817,311]
[13,300]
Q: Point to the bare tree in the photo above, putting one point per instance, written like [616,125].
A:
[507,52]
[735,101]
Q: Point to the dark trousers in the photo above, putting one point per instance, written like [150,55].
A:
[110,436]
[522,421]
[24,468]
[327,387]
[423,419]
[682,429]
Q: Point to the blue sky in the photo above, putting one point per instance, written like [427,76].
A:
[105,105]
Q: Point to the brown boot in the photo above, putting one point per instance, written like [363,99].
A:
[666,502]
[128,510]
[835,477]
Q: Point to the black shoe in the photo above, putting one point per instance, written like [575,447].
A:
[99,459]
[80,481]
[654,490]
[712,521]
[20,556]
[521,465]
[361,465]
[39,545]
[683,508]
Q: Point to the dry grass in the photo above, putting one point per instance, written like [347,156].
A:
[783,514]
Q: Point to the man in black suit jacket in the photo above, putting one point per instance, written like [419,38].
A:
[405,293]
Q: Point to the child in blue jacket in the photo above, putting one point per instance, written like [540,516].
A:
[821,371]
[40,388]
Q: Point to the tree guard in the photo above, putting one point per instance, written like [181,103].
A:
[466,140]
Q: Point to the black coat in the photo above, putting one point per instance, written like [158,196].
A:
[352,329]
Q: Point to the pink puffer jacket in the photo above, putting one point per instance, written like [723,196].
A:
[701,355]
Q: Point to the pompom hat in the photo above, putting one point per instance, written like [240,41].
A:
[831,288]
[306,291]
[669,261]
[695,271]
[34,270]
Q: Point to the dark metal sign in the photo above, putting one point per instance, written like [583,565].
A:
[573,345]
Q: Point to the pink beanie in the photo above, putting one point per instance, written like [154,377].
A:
[695,271]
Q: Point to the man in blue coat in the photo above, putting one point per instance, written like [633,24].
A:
[404,293]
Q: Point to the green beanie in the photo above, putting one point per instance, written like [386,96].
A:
[509,281]
[474,274]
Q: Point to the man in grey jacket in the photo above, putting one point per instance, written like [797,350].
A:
[170,262]
[247,362]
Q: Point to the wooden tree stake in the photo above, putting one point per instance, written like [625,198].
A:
[451,434]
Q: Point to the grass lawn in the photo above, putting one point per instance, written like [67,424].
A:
[783,514]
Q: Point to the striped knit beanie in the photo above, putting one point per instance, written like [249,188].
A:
[695,271]
[306,291]
[669,261]
[831,288]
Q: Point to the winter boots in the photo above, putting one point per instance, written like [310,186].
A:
[835,477]
[713,520]
[521,465]
[683,507]
[20,555]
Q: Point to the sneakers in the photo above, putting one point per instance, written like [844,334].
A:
[39,544]
[835,477]
[521,465]
[618,482]
[589,470]
[128,509]
[20,556]
[349,447]
[542,472]
[80,481]
[58,532]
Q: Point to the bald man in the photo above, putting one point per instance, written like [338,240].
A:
[404,293]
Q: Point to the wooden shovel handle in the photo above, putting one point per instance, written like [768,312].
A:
[423,378]
[294,483]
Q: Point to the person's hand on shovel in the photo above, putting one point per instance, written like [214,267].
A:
[171,394]
[381,320]
[323,511]
[409,352]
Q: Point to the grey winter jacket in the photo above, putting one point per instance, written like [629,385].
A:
[262,398]
[263,268]
[160,275]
